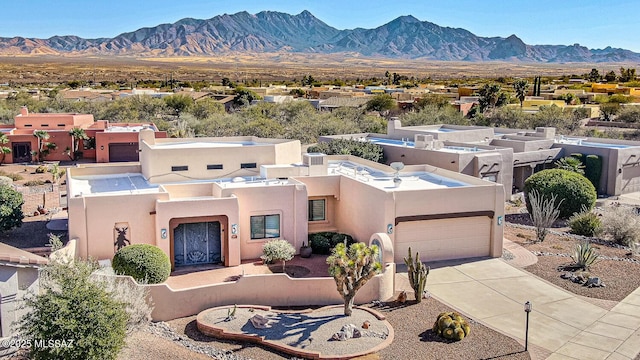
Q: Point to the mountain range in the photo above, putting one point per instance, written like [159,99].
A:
[269,32]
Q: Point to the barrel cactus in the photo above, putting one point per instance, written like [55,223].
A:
[451,326]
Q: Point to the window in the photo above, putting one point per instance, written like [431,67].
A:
[248,166]
[490,177]
[61,125]
[28,125]
[214,167]
[316,210]
[44,125]
[265,226]
[179,168]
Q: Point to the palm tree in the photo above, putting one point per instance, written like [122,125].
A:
[491,97]
[77,134]
[570,163]
[42,136]
[521,86]
[4,150]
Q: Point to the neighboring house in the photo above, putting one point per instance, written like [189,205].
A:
[108,142]
[507,156]
[337,102]
[18,276]
[86,95]
[218,200]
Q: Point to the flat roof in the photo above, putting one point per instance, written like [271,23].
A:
[124,128]
[133,183]
[411,144]
[585,142]
[205,144]
[420,180]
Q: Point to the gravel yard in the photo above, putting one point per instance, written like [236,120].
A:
[621,276]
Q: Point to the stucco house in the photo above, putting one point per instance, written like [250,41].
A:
[108,142]
[506,156]
[218,200]
[18,276]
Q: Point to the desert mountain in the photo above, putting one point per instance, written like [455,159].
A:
[268,31]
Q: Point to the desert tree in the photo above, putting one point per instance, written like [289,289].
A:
[521,86]
[491,97]
[594,75]
[10,208]
[544,212]
[381,103]
[178,102]
[73,307]
[351,268]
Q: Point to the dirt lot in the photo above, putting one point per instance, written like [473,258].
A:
[33,232]
[264,67]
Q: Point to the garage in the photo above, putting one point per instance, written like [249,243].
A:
[443,239]
[122,152]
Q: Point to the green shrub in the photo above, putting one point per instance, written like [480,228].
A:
[321,243]
[41,169]
[585,223]
[10,208]
[574,191]
[12,176]
[276,250]
[143,262]
[362,149]
[593,170]
[584,255]
[34,183]
[73,307]
[578,156]
[622,223]
[570,163]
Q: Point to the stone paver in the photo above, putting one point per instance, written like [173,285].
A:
[616,356]
[611,331]
[582,352]
[631,347]
[597,341]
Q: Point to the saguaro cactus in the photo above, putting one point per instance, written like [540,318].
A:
[417,274]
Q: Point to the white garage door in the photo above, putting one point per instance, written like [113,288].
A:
[444,239]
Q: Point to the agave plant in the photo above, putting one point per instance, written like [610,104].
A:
[584,255]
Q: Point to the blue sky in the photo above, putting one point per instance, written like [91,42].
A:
[592,23]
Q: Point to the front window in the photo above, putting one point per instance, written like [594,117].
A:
[265,226]
[317,210]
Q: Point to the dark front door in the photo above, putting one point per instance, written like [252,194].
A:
[197,243]
[21,152]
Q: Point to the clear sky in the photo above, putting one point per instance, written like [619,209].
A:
[592,23]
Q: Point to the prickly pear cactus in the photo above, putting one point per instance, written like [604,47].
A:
[451,326]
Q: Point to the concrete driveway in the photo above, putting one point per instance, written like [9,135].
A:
[561,325]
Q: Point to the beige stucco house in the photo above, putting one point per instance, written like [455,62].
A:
[19,271]
[218,200]
[506,156]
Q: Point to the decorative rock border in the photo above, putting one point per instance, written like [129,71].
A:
[311,341]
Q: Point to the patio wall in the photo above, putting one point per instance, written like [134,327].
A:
[263,290]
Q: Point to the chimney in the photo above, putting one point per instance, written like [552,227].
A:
[392,125]
[24,111]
